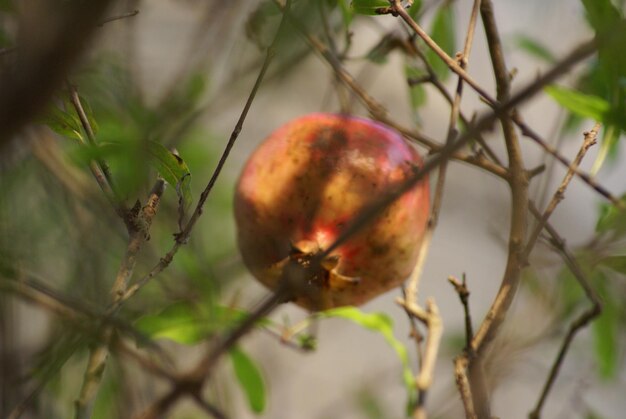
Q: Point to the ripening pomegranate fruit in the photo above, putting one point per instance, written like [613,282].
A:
[305,182]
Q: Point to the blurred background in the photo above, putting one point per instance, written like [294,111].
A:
[178,73]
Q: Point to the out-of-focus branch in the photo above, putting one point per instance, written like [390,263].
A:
[99,168]
[139,227]
[50,39]
[183,236]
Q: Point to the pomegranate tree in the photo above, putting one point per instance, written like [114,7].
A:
[305,182]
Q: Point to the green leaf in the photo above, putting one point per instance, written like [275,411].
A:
[179,322]
[442,32]
[380,323]
[188,324]
[173,169]
[63,119]
[369,7]
[571,294]
[591,414]
[588,106]
[261,25]
[605,330]
[601,14]
[417,93]
[611,218]
[250,379]
[607,149]
[415,8]
[378,54]
[346,13]
[615,263]
[89,113]
[65,123]
[534,48]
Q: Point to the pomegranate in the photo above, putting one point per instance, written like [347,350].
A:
[305,182]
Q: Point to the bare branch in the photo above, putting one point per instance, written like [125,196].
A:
[183,236]
[139,228]
[588,142]
[579,323]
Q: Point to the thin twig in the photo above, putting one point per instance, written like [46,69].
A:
[461,362]
[518,183]
[588,179]
[588,141]
[583,320]
[398,9]
[432,320]
[146,364]
[209,408]
[463,291]
[99,167]
[183,235]
[483,123]
[83,316]
[139,229]
[118,17]
[380,113]
[410,301]
[196,378]
[462,383]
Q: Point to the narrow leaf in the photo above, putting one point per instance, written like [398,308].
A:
[382,324]
[346,13]
[601,14]
[185,323]
[65,123]
[442,32]
[250,379]
[179,322]
[378,54]
[173,169]
[534,48]
[588,106]
[611,218]
[369,7]
[615,263]
[609,143]
[605,331]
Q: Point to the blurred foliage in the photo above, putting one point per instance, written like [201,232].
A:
[76,240]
